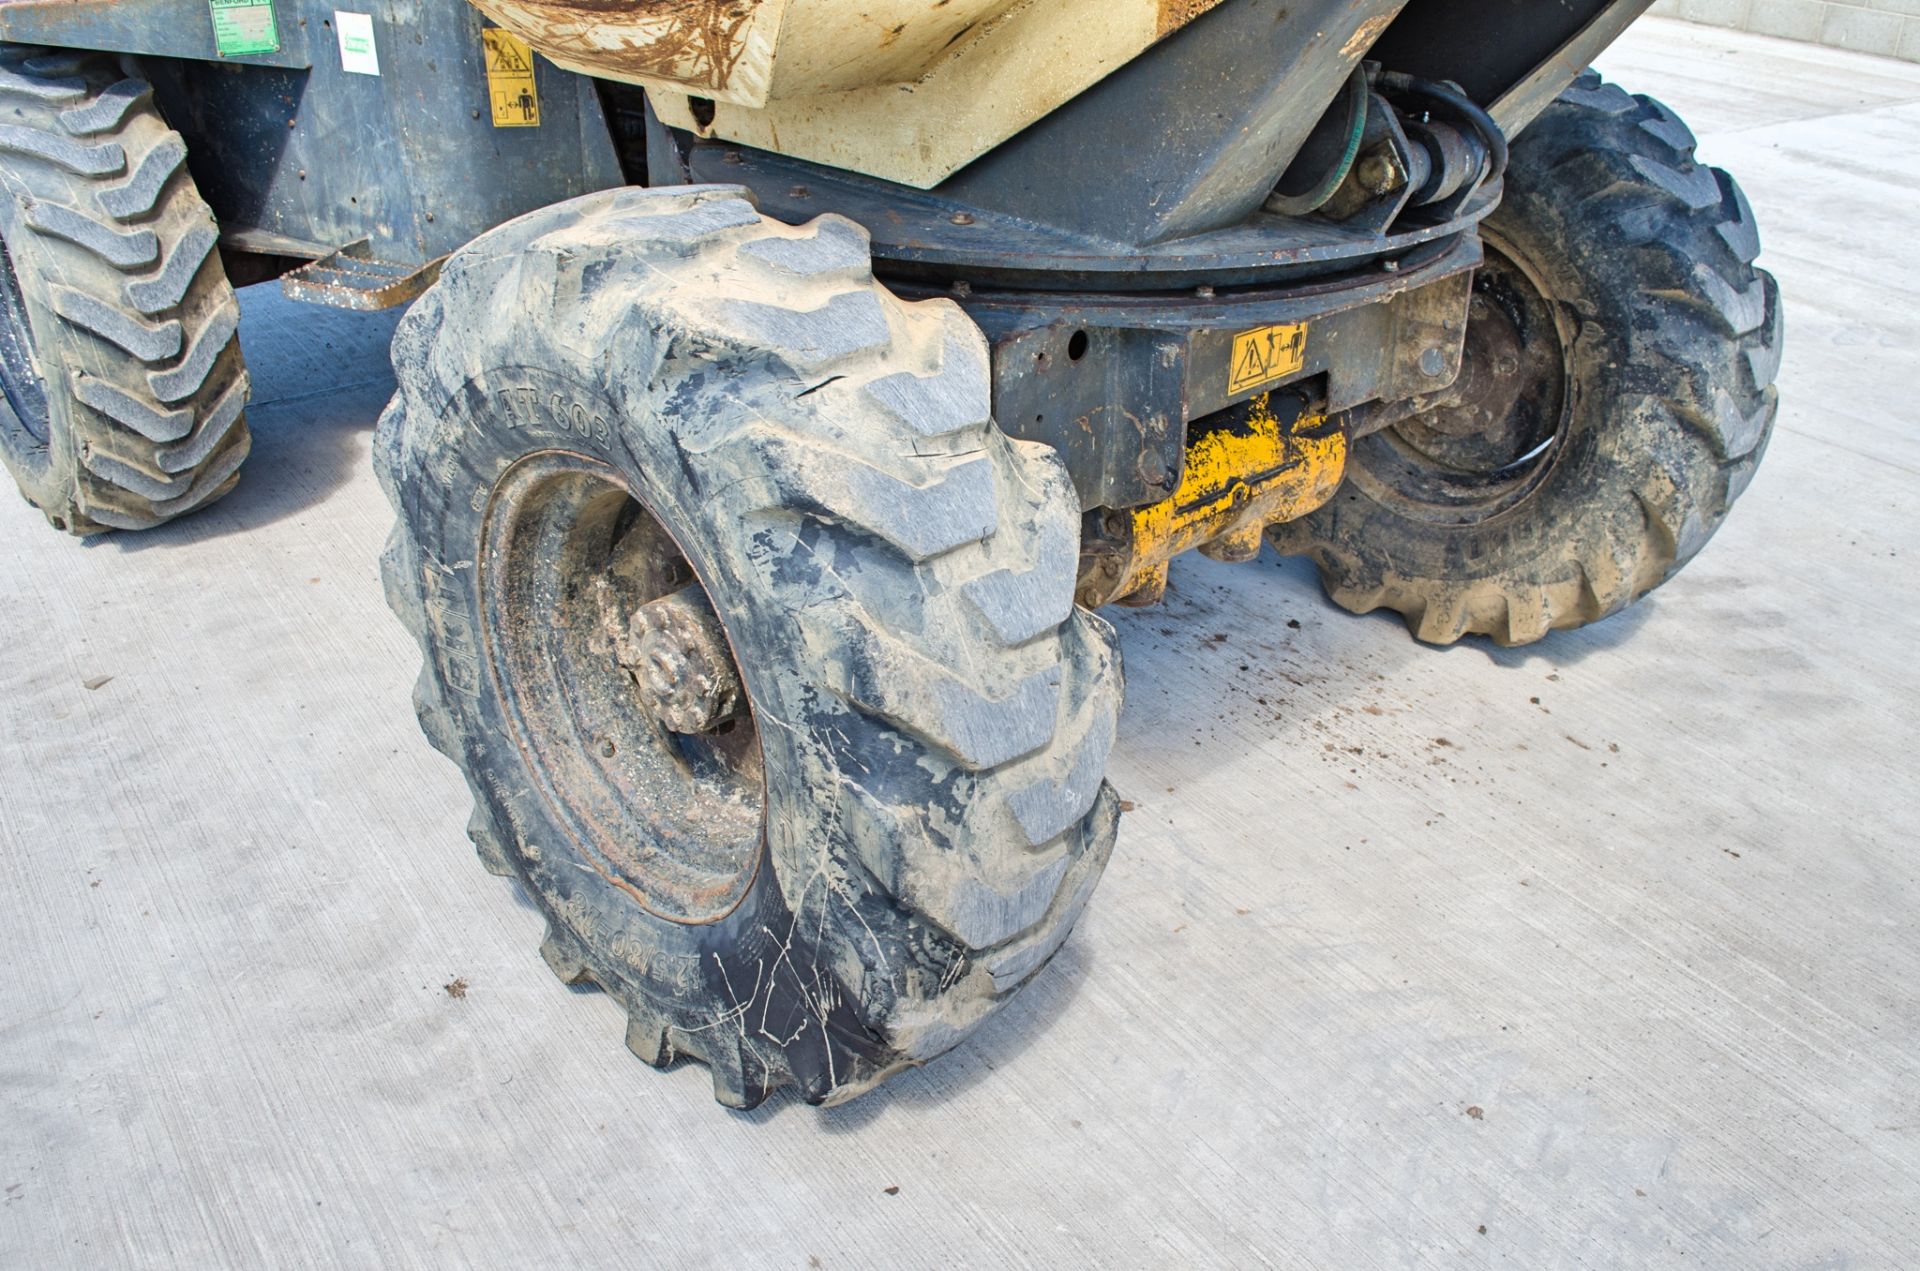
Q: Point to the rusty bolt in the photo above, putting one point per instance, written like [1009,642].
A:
[733,156]
[799,192]
[1153,471]
[962,218]
[1378,173]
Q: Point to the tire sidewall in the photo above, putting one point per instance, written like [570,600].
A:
[543,400]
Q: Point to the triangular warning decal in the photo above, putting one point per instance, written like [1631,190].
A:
[507,60]
[1266,354]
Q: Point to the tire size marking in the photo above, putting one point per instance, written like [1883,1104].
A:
[1266,354]
[455,640]
[555,412]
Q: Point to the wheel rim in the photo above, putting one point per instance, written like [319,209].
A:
[1484,445]
[576,573]
[20,379]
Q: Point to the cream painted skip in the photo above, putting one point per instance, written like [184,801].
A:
[906,90]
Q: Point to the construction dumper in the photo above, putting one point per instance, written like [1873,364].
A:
[788,382]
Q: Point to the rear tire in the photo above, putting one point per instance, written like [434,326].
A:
[1628,445]
[663,374]
[124,383]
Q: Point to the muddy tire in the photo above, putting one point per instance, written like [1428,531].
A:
[124,383]
[1616,395]
[656,393]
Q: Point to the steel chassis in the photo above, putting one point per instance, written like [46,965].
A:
[1113,253]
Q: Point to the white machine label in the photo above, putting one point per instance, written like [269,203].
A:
[357,53]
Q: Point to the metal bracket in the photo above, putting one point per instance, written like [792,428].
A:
[352,279]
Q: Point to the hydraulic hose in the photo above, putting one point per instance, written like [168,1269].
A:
[1402,84]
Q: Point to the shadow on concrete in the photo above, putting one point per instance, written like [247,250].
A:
[321,377]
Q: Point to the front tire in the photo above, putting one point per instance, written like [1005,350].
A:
[125,390]
[1616,395]
[645,414]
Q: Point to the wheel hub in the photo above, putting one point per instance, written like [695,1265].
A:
[1481,446]
[1483,396]
[677,653]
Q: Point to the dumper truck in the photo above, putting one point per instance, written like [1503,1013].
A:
[787,384]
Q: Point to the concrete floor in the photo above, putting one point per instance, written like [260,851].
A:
[1621,973]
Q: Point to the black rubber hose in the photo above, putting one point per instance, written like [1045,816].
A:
[1400,83]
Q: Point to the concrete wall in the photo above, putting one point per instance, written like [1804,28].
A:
[1887,27]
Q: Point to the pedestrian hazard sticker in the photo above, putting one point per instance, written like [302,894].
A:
[516,102]
[1266,354]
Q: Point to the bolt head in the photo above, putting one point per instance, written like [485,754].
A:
[1153,471]
[1378,173]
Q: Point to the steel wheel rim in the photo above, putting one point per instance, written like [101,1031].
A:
[676,821]
[1434,466]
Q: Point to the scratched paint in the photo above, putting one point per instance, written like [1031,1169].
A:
[906,90]
[695,43]
[1175,14]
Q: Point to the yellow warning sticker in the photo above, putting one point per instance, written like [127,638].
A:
[1266,354]
[516,102]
